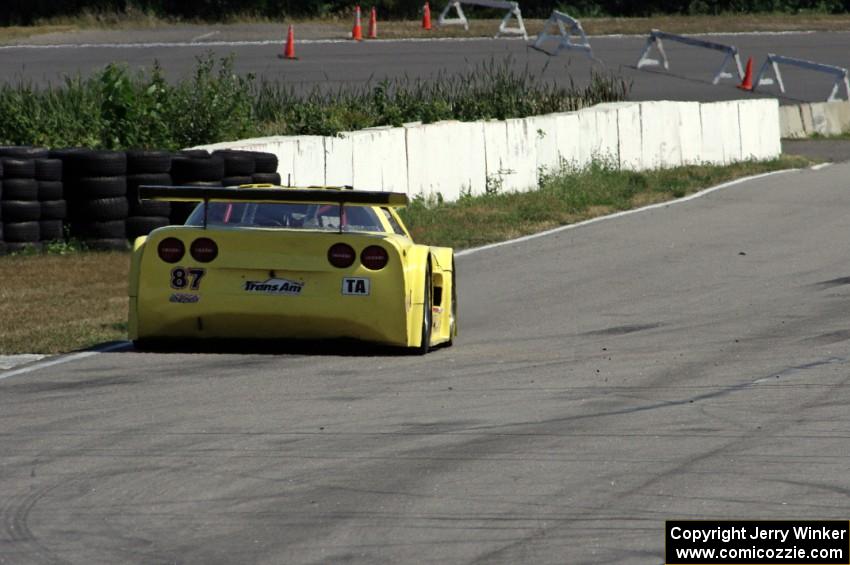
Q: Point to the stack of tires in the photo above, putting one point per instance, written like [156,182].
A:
[146,168]
[54,210]
[248,167]
[239,167]
[19,205]
[265,168]
[96,191]
[194,167]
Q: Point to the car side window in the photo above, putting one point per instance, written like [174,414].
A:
[393,222]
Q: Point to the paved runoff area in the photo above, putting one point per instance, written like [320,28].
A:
[329,62]
[689,362]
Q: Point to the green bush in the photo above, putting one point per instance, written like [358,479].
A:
[116,109]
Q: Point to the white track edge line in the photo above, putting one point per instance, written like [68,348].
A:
[61,360]
[581,224]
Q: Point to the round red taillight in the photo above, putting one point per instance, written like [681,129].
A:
[341,255]
[171,249]
[204,249]
[374,257]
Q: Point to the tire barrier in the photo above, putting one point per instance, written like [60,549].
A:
[54,209]
[266,178]
[194,168]
[2,239]
[19,205]
[93,195]
[146,167]
[96,190]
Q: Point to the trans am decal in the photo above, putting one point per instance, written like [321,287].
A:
[274,286]
[356,286]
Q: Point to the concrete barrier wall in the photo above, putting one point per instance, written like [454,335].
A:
[798,121]
[453,158]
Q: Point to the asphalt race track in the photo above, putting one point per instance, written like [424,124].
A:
[689,361]
[344,64]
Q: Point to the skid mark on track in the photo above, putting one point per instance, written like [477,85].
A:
[771,428]
[623,330]
[14,518]
[833,282]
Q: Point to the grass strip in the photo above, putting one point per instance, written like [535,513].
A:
[566,197]
[340,26]
[58,303]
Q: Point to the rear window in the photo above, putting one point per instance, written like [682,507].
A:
[289,216]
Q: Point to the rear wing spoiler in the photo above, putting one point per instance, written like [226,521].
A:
[272,195]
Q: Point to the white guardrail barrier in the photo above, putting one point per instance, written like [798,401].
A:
[773,61]
[460,19]
[656,36]
[567,28]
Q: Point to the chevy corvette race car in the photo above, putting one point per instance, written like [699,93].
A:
[264,262]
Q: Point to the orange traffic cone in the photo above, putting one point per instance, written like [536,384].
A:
[289,49]
[747,83]
[357,32]
[373,25]
[426,17]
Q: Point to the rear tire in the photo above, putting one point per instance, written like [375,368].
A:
[425,339]
[453,326]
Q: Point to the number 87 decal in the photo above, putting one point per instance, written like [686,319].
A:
[182,277]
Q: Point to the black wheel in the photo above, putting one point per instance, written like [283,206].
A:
[188,169]
[96,163]
[23,152]
[266,178]
[425,339]
[194,153]
[20,189]
[23,246]
[103,209]
[147,179]
[51,190]
[21,210]
[90,188]
[21,232]
[453,324]
[236,181]
[142,225]
[237,163]
[51,230]
[16,168]
[147,207]
[148,162]
[48,169]
[107,244]
[54,210]
[114,229]
[265,162]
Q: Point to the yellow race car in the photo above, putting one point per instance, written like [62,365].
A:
[266,262]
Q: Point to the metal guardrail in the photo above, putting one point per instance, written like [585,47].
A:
[656,36]
[773,61]
[567,28]
[460,19]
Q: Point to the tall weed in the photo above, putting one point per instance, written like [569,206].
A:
[117,109]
